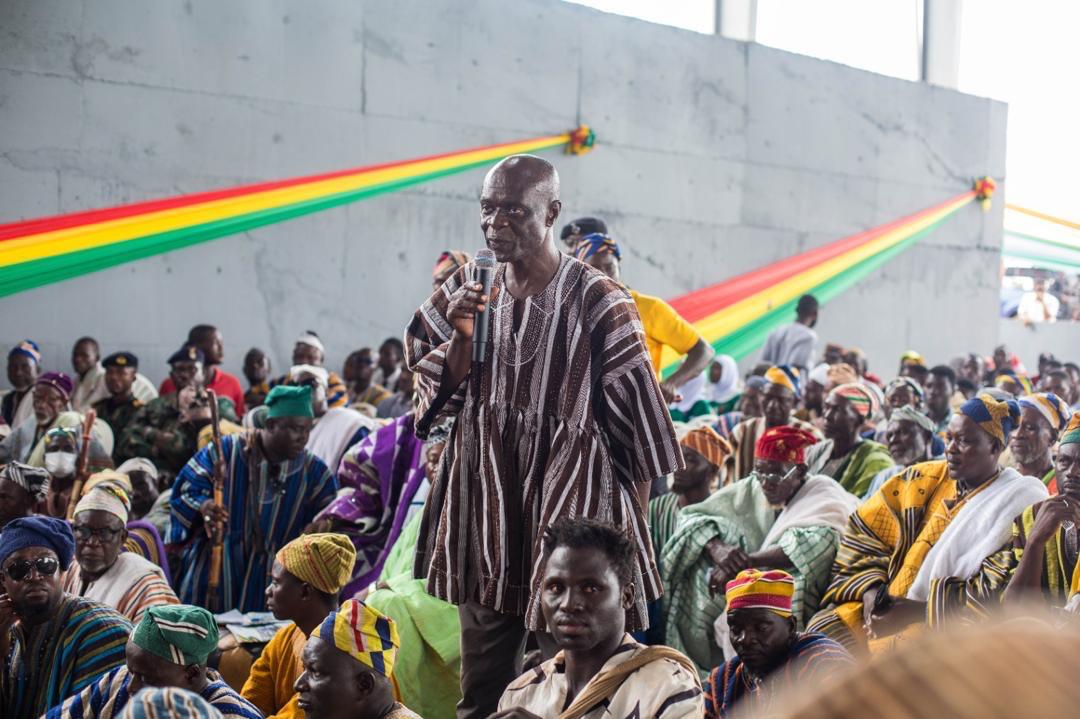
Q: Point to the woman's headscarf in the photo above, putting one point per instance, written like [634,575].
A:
[728,386]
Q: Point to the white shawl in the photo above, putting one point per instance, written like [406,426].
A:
[820,502]
[978,530]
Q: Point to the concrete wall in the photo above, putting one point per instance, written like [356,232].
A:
[1062,339]
[715,157]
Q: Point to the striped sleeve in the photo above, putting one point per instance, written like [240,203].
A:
[815,659]
[337,394]
[634,414]
[193,486]
[322,485]
[426,340]
[225,699]
[99,640]
[108,691]
[151,590]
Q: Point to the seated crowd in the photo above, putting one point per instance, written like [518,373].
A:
[824,516]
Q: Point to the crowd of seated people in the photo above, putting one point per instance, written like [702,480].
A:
[823,515]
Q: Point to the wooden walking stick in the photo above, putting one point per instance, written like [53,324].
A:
[217,535]
[81,472]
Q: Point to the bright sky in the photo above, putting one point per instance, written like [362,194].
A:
[1023,53]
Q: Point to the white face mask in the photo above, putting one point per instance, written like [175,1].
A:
[60,464]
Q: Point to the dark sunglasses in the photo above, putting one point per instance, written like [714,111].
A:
[20,570]
[104,534]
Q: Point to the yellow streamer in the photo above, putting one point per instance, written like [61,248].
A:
[1043,216]
[741,313]
[72,239]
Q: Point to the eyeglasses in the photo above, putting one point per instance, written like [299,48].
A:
[104,534]
[768,478]
[20,570]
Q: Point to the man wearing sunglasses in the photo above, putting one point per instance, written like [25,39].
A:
[57,643]
[779,517]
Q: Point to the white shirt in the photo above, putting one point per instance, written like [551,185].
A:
[1033,309]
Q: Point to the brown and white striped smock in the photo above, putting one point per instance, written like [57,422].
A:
[570,416]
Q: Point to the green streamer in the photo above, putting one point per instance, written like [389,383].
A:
[752,335]
[36,273]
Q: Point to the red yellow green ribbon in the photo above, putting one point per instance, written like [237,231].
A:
[735,316]
[42,251]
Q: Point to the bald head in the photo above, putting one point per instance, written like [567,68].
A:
[531,171]
[519,204]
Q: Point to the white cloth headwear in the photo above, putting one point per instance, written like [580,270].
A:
[139,464]
[312,339]
[820,374]
[320,373]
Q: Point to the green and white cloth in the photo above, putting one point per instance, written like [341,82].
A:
[807,530]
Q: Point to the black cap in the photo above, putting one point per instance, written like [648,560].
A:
[584,226]
[188,353]
[121,359]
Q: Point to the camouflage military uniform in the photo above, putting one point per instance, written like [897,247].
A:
[118,415]
[156,432]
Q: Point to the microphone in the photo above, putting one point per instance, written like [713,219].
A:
[485,270]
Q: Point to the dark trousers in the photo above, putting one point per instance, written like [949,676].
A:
[492,648]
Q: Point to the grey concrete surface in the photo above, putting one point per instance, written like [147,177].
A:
[1028,341]
[715,157]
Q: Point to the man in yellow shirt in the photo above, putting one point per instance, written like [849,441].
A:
[308,574]
[663,325]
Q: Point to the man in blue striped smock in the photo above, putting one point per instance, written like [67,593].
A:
[274,487]
[60,643]
[168,648]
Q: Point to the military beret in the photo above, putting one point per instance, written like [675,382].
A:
[121,359]
[187,353]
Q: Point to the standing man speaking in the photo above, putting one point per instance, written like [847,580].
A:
[568,421]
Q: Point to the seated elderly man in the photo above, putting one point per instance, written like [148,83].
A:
[125,581]
[348,665]
[845,455]
[779,397]
[55,644]
[910,437]
[308,574]
[50,397]
[22,488]
[168,648]
[780,517]
[771,654]
[934,523]
[274,488]
[1043,417]
[585,594]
